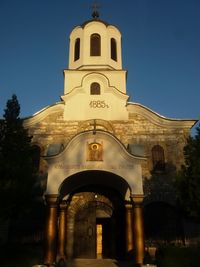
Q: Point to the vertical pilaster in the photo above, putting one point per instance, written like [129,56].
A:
[62,231]
[50,238]
[129,228]
[138,231]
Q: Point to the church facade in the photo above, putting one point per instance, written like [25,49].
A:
[105,158]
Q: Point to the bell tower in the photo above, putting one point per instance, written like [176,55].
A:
[95,44]
[95,83]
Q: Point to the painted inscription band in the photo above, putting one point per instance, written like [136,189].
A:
[61,166]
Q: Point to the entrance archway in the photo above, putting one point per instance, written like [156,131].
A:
[95,213]
[114,175]
[112,168]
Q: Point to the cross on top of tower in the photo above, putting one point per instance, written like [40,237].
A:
[95,12]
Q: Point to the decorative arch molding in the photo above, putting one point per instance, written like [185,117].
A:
[56,109]
[96,124]
[94,180]
[157,119]
[109,105]
[101,24]
[88,198]
[95,77]
[104,82]
[73,160]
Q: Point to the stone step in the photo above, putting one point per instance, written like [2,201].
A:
[96,263]
[101,263]
[92,263]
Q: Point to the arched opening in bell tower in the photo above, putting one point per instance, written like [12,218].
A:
[113,45]
[77,49]
[95,45]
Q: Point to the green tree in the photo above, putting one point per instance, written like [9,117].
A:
[16,163]
[188,180]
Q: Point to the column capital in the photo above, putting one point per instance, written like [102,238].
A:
[52,199]
[128,205]
[63,205]
[137,199]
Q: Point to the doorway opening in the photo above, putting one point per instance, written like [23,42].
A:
[99,243]
[105,238]
[96,224]
[93,231]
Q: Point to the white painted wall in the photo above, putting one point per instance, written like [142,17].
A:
[109,105]
[79,104]
[73,160]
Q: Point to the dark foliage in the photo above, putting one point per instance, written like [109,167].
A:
[16,163]
[188,179]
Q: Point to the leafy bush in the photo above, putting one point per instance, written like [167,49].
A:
[178,257]
[20,255]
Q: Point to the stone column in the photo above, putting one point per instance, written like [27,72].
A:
[129,228]
[138,231]
[62,231]
[50,238]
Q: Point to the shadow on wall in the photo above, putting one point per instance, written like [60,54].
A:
[160,185]
[163,221]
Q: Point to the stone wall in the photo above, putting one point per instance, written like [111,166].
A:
[137,130]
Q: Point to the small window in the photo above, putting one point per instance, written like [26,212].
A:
[95,45]
[77,49]
[113,45]
[95,89]
[54,149]
[158,158]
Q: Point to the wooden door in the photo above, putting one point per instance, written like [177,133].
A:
[85,233]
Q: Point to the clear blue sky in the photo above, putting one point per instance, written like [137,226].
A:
[161,51]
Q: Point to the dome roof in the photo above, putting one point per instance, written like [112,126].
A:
[94,20]
[95,17]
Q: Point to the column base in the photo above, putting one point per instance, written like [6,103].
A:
[61,260]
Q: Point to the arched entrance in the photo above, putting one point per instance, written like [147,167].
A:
[94,164]
[95,213]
